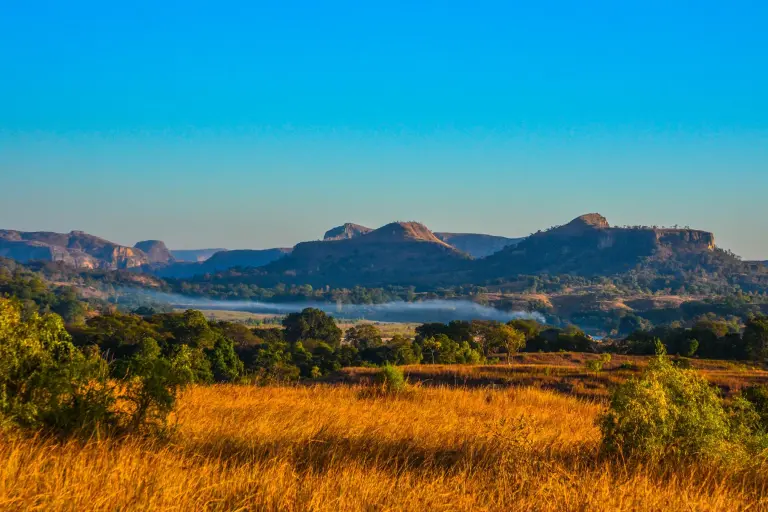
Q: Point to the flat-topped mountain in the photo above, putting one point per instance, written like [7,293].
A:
[477,245]
[75,248]
[589,246]
[400,252]
[346,231]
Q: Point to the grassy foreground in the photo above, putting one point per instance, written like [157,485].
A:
[338,448]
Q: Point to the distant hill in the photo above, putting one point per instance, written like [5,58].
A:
[76,248]
[589,246]
[682,261]
[223,260]
[194,255]
[400,252]
[654,258]
[156,251]
[477,245]
[346,231]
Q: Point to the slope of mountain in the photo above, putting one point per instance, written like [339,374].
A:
[346,231]
[477,245]
[589,246]
[223,260]
[398,253]
[156,251]
[76,248]
[194,255]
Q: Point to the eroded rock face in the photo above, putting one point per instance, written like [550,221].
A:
[686,238]
[156,251]
[346,231]
[76,248]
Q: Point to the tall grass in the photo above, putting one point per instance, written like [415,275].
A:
[324,448]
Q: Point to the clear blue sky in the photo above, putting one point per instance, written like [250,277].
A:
[247,124]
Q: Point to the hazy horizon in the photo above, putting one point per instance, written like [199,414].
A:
[248,126]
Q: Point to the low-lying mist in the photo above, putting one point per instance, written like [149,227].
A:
[398,311]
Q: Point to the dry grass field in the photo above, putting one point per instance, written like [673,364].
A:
[562,372]
[339,447]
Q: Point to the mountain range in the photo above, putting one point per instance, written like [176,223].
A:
[408,253]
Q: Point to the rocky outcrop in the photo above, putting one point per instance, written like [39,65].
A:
[76,248]
[346,231]
[156,251]
[686,239]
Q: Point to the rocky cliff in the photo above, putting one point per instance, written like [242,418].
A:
[156,251]
[76,248]
[346,231]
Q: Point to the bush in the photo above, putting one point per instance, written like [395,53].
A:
[669,412]
[226,366]
[594,365]
[45,381]
[391,379]
[757,396]
[152,385]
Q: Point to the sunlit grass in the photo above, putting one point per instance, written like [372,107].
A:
[336,448]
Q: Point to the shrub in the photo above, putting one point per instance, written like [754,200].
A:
[45,381]
[152,385]
[594,365]
[757,396]
[668,412]
[391,379]
[226,366]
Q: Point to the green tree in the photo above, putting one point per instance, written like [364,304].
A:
[188,328]
[431,348]
[507,337]
[756,338]
[363,336]
[44,380]
[225,364]
[152,384]
[312,324]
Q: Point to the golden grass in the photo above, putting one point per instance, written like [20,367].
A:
[563,372]
[328,448]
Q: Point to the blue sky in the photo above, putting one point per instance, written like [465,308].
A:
[246,124]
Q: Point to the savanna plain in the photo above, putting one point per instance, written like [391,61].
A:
[474,444]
